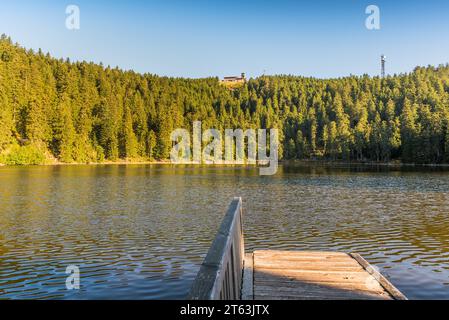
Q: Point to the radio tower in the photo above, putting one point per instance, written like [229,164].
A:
[383,58]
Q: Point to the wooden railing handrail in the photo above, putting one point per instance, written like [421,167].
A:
[220,275]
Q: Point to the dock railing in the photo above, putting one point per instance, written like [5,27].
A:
[220,275]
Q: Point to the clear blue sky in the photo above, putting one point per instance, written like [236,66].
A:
[215,38]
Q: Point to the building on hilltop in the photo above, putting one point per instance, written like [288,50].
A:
[234,79]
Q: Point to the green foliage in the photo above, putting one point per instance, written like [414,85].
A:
[25,155]
[6,123]
[83,112]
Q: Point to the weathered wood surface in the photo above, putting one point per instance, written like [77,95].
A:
[308,275]
[248,277]
[220,275]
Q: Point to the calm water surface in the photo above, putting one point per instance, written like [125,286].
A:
[141,231]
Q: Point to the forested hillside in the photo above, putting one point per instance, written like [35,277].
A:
[84,112]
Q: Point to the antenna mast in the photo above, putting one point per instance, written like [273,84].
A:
[383,59]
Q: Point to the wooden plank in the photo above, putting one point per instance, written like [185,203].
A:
[341,284]
[319,289]
[309,266]
[306,259]
[376,287]
[248,278]
[388,286]
[264,296]
[301,273]
[300,253]
[295,255]
[298,264]
[290,256]
[325,294]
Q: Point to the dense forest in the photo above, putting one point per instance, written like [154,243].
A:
[83,112]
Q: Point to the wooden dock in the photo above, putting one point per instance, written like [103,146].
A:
[312,275]
[227,273]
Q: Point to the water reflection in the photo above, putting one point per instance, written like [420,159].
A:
[141,231]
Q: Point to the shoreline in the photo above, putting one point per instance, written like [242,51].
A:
[281,162]
[365,163]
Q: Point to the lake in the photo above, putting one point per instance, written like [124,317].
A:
[142,231]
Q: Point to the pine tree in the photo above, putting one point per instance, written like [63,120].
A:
[129,140]
[6,122]
[361,134]
[333,146]
[152,140]
[68,136]
[290,150]
[409,131]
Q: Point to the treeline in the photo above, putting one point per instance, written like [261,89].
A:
[84,112]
